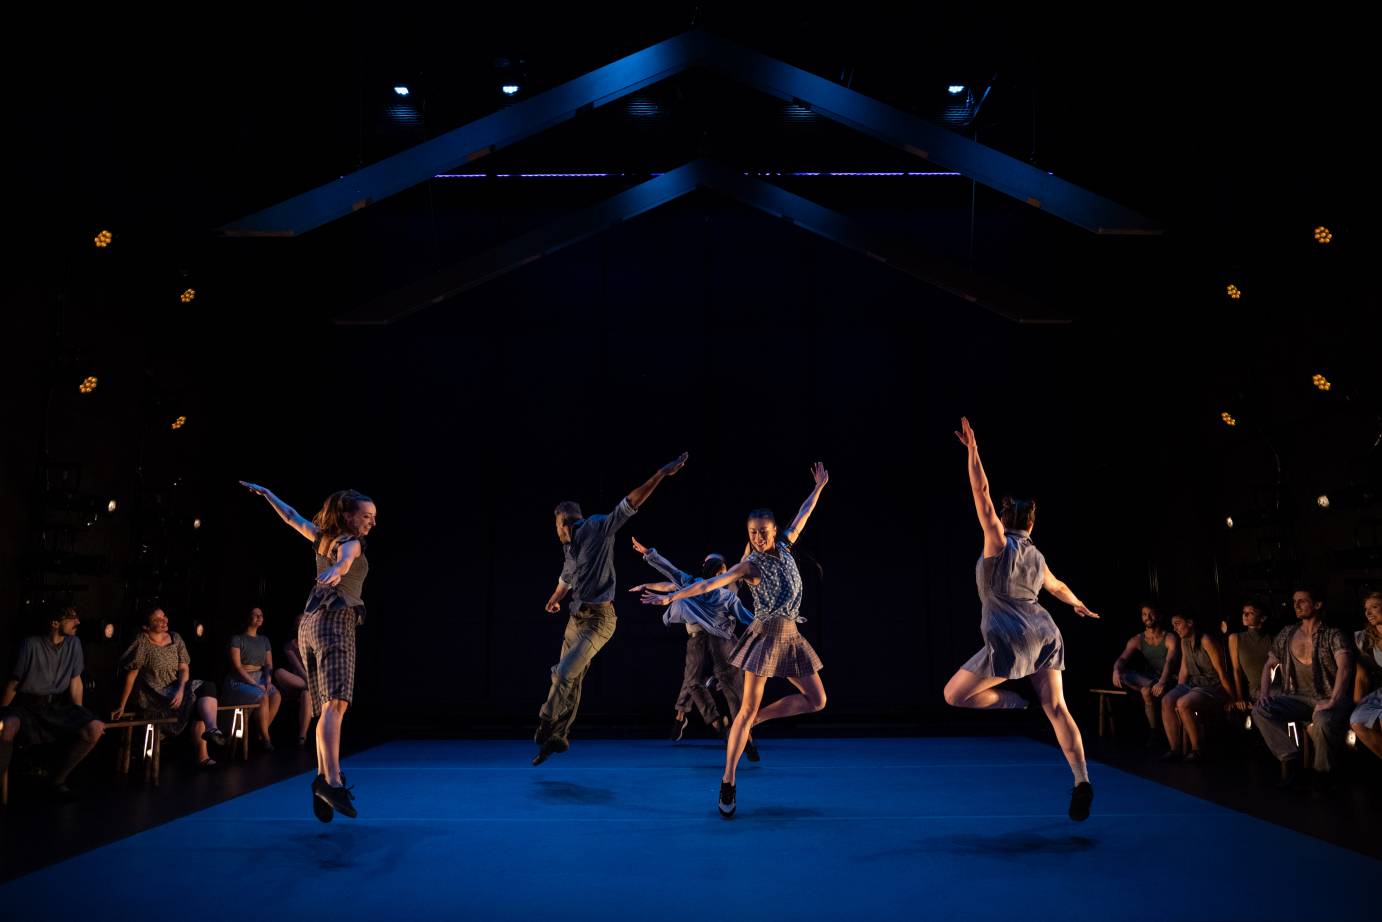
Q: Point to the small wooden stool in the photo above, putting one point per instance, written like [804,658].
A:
[1105,698]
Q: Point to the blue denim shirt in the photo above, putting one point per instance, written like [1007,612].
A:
[589,567]
[715,611]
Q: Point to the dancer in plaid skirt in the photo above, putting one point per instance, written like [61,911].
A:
[1020,638]
[772,646]
[326,633]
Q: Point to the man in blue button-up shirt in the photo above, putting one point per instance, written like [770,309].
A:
[587,577]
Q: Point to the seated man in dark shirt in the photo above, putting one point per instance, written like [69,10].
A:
[43,699]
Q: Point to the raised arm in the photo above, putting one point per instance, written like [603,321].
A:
[822,477]
[662,565]
[994,535]
[742,570]
[1064,593]
[640,495]
[285,512]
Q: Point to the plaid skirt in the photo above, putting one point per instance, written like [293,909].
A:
[775,648]
[327,641]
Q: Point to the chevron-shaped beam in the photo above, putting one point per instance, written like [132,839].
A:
[654,193]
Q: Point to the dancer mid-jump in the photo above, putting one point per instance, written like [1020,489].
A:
[1020,639]
[326,633]
[772,646]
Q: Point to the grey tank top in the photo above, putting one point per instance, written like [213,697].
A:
[1199,668]
[1154,654]
[352,584]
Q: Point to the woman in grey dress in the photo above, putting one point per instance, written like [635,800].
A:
[772,646]
[1020,639]
[1366,719]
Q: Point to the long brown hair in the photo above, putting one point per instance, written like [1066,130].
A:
[330,519]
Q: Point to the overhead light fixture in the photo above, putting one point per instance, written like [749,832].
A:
[196,523]
[1234,293]
[179,422]
[1321,382]
[1228,419]
[401,90]
[955,89]
[509,89]
[188,296]
[103,239]
[1322,235]
[1322,501]
[88,385]
[112,506]
[1229,521]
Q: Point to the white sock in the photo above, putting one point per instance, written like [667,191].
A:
[1081,771]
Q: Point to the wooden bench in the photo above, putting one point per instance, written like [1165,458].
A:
[239,728]
[1105,698]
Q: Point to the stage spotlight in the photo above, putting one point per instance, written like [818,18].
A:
[1229,521]
[1351,740]
[401,90]
[188,296]
[1321,382]
[200,629]
[112,506]
[1322,501]
[196,523]
[1228,420]
[1322,235]
[108,630]
[1247,724]
[103,239]
[955,89]
[1234,293]
[510,89]
[88,384]
[179,422]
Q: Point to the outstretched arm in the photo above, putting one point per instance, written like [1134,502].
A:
[979,485]
[822,477]
[285,512]
[662,565]
[1066,595]
[741,570]
[639,496]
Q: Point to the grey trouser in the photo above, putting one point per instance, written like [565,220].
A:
[693,692]
[587,630]
[1327,731]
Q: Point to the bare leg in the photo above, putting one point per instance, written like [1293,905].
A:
[1185,710]
[812,698]
[289,680]
[1170,718]
[1150,706]
[198,728]
[329,740]
[970,690]
[1050,693]
[743,722]
[268,710]
[9,729]
[86,741]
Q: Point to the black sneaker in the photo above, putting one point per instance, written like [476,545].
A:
[727,804]
[215,737]
[549,748]
[679,728]
[1080,798]
[321,808]
[338,799]
[1169,755]
[1194,755]
[751,751]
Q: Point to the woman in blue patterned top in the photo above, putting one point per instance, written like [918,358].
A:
[1020,639]
[772,646]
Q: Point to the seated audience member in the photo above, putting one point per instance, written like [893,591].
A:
[43,698]
[291,676]
[158,665]
[1316,663]
[250,680]
[1203,689]
[1247,653]
[1148,663]
[1366,718]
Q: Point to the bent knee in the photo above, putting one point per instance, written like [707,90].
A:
[817,702]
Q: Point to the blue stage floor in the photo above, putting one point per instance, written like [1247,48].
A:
[843,829]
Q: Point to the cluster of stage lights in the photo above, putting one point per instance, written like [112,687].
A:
[1321,383]
[1228,419]
[1234,292]
[1322,235]
[88,384]
[103,239]
[188,296]
[179,423]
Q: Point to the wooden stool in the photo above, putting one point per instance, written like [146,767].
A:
[1105,698]
[239,728]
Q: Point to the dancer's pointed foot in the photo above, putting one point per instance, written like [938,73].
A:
[1080,799]
[549,748]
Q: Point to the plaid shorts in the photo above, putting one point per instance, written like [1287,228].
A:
[327,641]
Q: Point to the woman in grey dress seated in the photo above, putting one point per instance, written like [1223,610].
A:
[1020,639]
[250,680]
[157,662]
[772,646]
[1203,688]
[1366,719]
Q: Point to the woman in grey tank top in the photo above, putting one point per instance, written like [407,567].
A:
[326,633]
[1203,689]
[772,646]
[1020,639]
